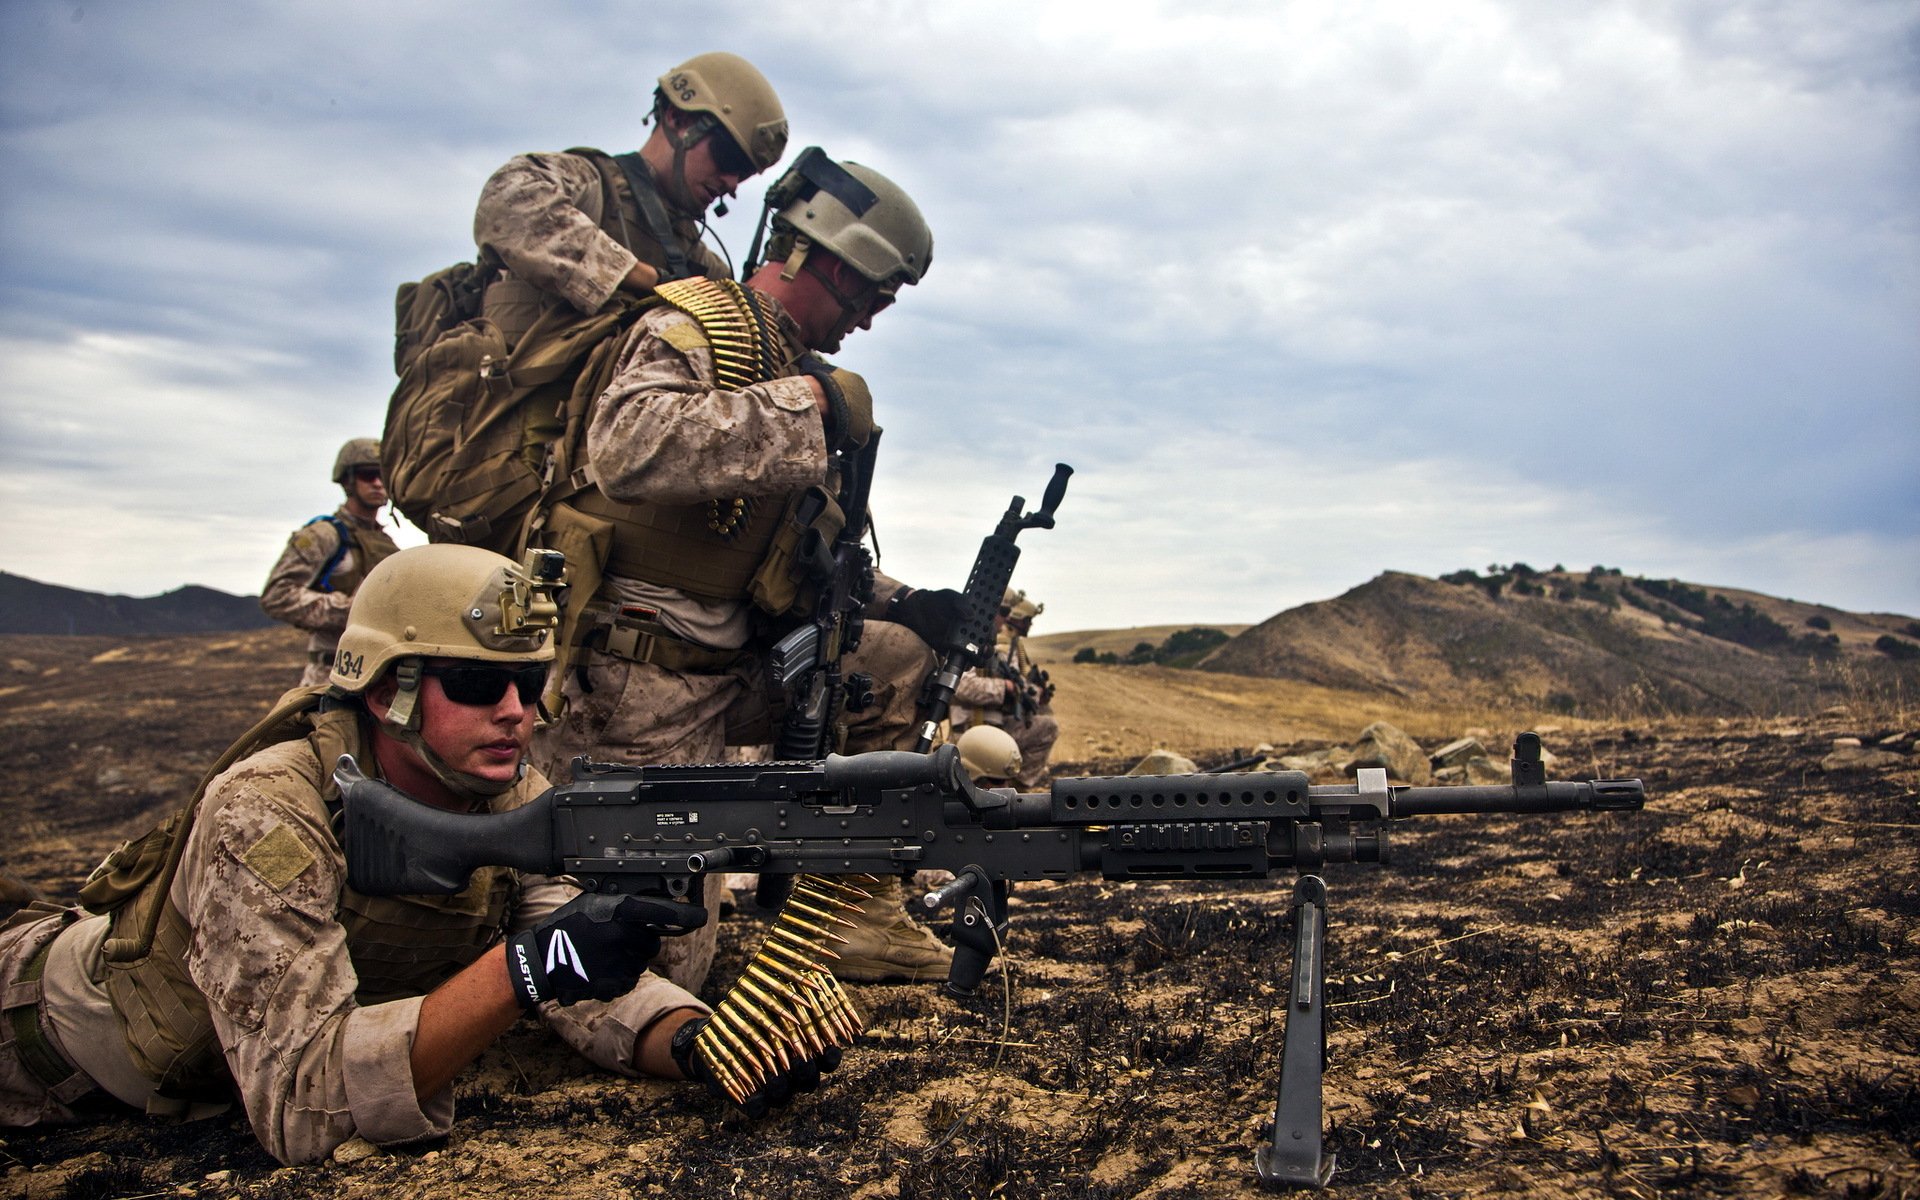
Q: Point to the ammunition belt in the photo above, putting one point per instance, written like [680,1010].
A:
[620,630]
[742,351]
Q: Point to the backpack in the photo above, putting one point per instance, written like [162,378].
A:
[471,424]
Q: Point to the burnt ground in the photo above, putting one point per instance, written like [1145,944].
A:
[1717,996]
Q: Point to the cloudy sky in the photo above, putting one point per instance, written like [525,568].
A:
[1303,290]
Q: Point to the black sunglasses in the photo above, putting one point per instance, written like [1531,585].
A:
[728,157]
[366,474]
[477,686]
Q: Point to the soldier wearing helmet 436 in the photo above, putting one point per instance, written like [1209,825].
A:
[228,958]
[313,582]
[713,451]
[573,228]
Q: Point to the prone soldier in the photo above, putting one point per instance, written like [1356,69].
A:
[229,956]
[326,559]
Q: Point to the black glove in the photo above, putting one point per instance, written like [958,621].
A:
[935,615]
[774,1092]
[594,947]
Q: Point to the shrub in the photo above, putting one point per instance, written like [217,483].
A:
[1896,649]
[1819,622]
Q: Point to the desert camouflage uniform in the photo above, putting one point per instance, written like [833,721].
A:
[314,1057]
[663,432]
[546,216]
[289,594]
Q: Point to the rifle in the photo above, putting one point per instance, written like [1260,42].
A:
[986,587]
[656,830]
[806,662]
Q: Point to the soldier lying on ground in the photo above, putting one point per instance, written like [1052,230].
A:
[326,1012]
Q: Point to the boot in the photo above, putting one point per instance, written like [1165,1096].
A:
[887,946]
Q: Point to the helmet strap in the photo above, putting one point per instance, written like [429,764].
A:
[461,784]
[402,714]
[796,260]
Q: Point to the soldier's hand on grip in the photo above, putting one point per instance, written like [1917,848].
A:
[935,615]
[594,947]
[775,1091]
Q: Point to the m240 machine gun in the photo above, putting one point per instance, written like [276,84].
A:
[657,830]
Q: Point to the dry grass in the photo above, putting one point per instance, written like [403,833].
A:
[1123,712]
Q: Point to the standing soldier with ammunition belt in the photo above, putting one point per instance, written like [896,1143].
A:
[709,460]
[312,584]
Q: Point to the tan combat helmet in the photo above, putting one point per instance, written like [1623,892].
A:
[358,452]
[871,225]
[989,752]
[1024,609]
[446,601]
[729,89]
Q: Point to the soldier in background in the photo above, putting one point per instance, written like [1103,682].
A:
[573,228]
[1012,693]
[312,584]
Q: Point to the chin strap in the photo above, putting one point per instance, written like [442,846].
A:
[461,784]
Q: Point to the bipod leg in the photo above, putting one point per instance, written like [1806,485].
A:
[979,925]
[1293,1158]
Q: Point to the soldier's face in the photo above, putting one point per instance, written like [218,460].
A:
[487,740]
[714,169]
[369,488]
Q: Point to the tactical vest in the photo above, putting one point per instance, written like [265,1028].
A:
[724,549]
[400,946]
[370,546]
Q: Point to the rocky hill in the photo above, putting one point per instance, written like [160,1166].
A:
[29,606]
[1587,643]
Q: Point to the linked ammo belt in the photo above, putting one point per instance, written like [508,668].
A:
[630,631]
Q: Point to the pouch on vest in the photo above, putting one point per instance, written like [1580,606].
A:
[586,542]
[801,553]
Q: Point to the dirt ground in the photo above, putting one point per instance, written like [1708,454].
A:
[1716,996]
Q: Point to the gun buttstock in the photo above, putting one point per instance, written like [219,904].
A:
[398,846]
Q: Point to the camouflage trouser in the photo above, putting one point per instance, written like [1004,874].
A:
[30,1096]
[640,713]
[318,671]
[1035,739]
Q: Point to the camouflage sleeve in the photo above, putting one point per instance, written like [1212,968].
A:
[539,213]
[289,595]
[976,690]
[259,884]
[603,1032]
[664,432]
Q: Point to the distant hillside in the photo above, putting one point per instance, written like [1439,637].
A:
[28,606]
[1061,647]
[1588,643]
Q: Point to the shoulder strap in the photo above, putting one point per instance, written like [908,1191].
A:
[324,579]
[659,224]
